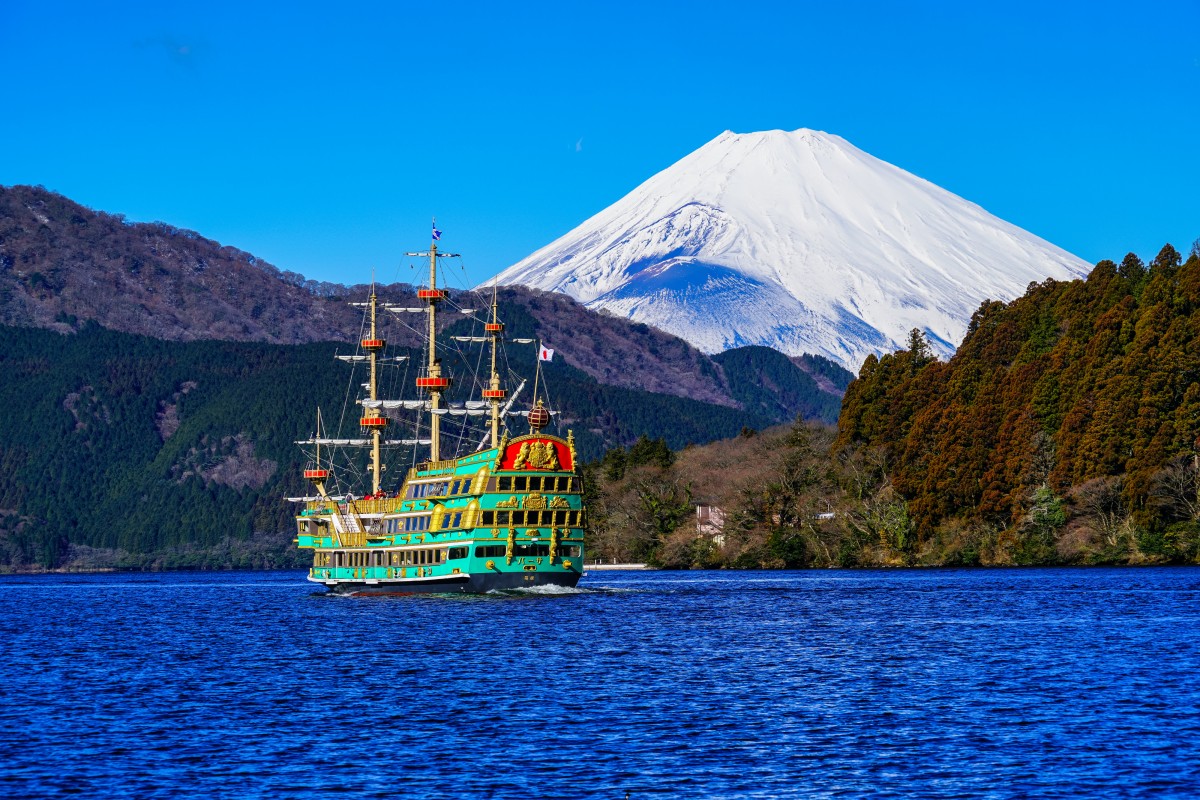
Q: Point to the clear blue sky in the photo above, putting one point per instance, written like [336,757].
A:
[323,137]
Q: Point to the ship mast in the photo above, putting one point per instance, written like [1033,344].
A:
[494,394]
[316,473]
[433,382]
[374,420]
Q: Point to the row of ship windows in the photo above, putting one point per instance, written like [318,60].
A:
[561,517]
[453,520]
[536,483]
[408,524]
[551,516]
[379,558]
[409,558]
[564,484]
[499,551]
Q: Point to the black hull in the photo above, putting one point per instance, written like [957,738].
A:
[457,584]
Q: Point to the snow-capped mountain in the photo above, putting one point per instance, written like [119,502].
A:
[799,241]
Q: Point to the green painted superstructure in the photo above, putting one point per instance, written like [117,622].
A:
[464,523]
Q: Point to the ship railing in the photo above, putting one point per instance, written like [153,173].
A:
[352,539]
[382,505]
[445,465]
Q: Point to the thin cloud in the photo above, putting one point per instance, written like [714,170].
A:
[579,145]
[178,50]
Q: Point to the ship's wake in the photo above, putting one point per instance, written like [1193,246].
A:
[544,590]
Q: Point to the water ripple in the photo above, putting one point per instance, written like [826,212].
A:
[938,684]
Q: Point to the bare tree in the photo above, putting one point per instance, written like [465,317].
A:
[1100,499]
[1175,489]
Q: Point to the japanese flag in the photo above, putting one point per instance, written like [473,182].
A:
[545,354]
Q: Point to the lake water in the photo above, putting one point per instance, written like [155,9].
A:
[932,684]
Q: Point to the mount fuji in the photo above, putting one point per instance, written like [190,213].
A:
[798,241]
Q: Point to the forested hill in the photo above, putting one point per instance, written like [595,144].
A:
[62,264]
[127,451]
[155,381]
[1067,421]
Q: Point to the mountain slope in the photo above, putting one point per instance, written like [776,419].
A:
[62,264]
[798,241]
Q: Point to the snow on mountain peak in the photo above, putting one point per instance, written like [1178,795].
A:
[796,240]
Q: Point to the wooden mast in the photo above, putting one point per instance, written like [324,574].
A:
[433,381]
[495,394]
[435,367]
[373,419]
[376,432]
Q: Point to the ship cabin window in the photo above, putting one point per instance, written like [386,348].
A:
[416,523]
[456,552]
[531,550]
[419,490]
[489,551]
[455,520]
[521,484]
[571,551]
[339,558]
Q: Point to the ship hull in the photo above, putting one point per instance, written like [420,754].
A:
[480,583]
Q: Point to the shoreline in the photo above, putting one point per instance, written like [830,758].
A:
[630,567]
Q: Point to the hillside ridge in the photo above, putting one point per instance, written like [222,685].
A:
[62,264]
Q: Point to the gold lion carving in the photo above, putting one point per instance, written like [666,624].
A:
[538,455]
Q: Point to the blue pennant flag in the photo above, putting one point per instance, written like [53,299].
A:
[436,234]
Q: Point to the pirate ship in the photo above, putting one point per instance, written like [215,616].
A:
[507,516]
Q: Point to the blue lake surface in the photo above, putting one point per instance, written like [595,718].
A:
[933,684]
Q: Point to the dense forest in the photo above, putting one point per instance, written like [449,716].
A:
[1063,431]
[127,451]
[152,404]
[150,422]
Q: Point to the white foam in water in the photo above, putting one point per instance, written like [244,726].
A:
[551,589]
